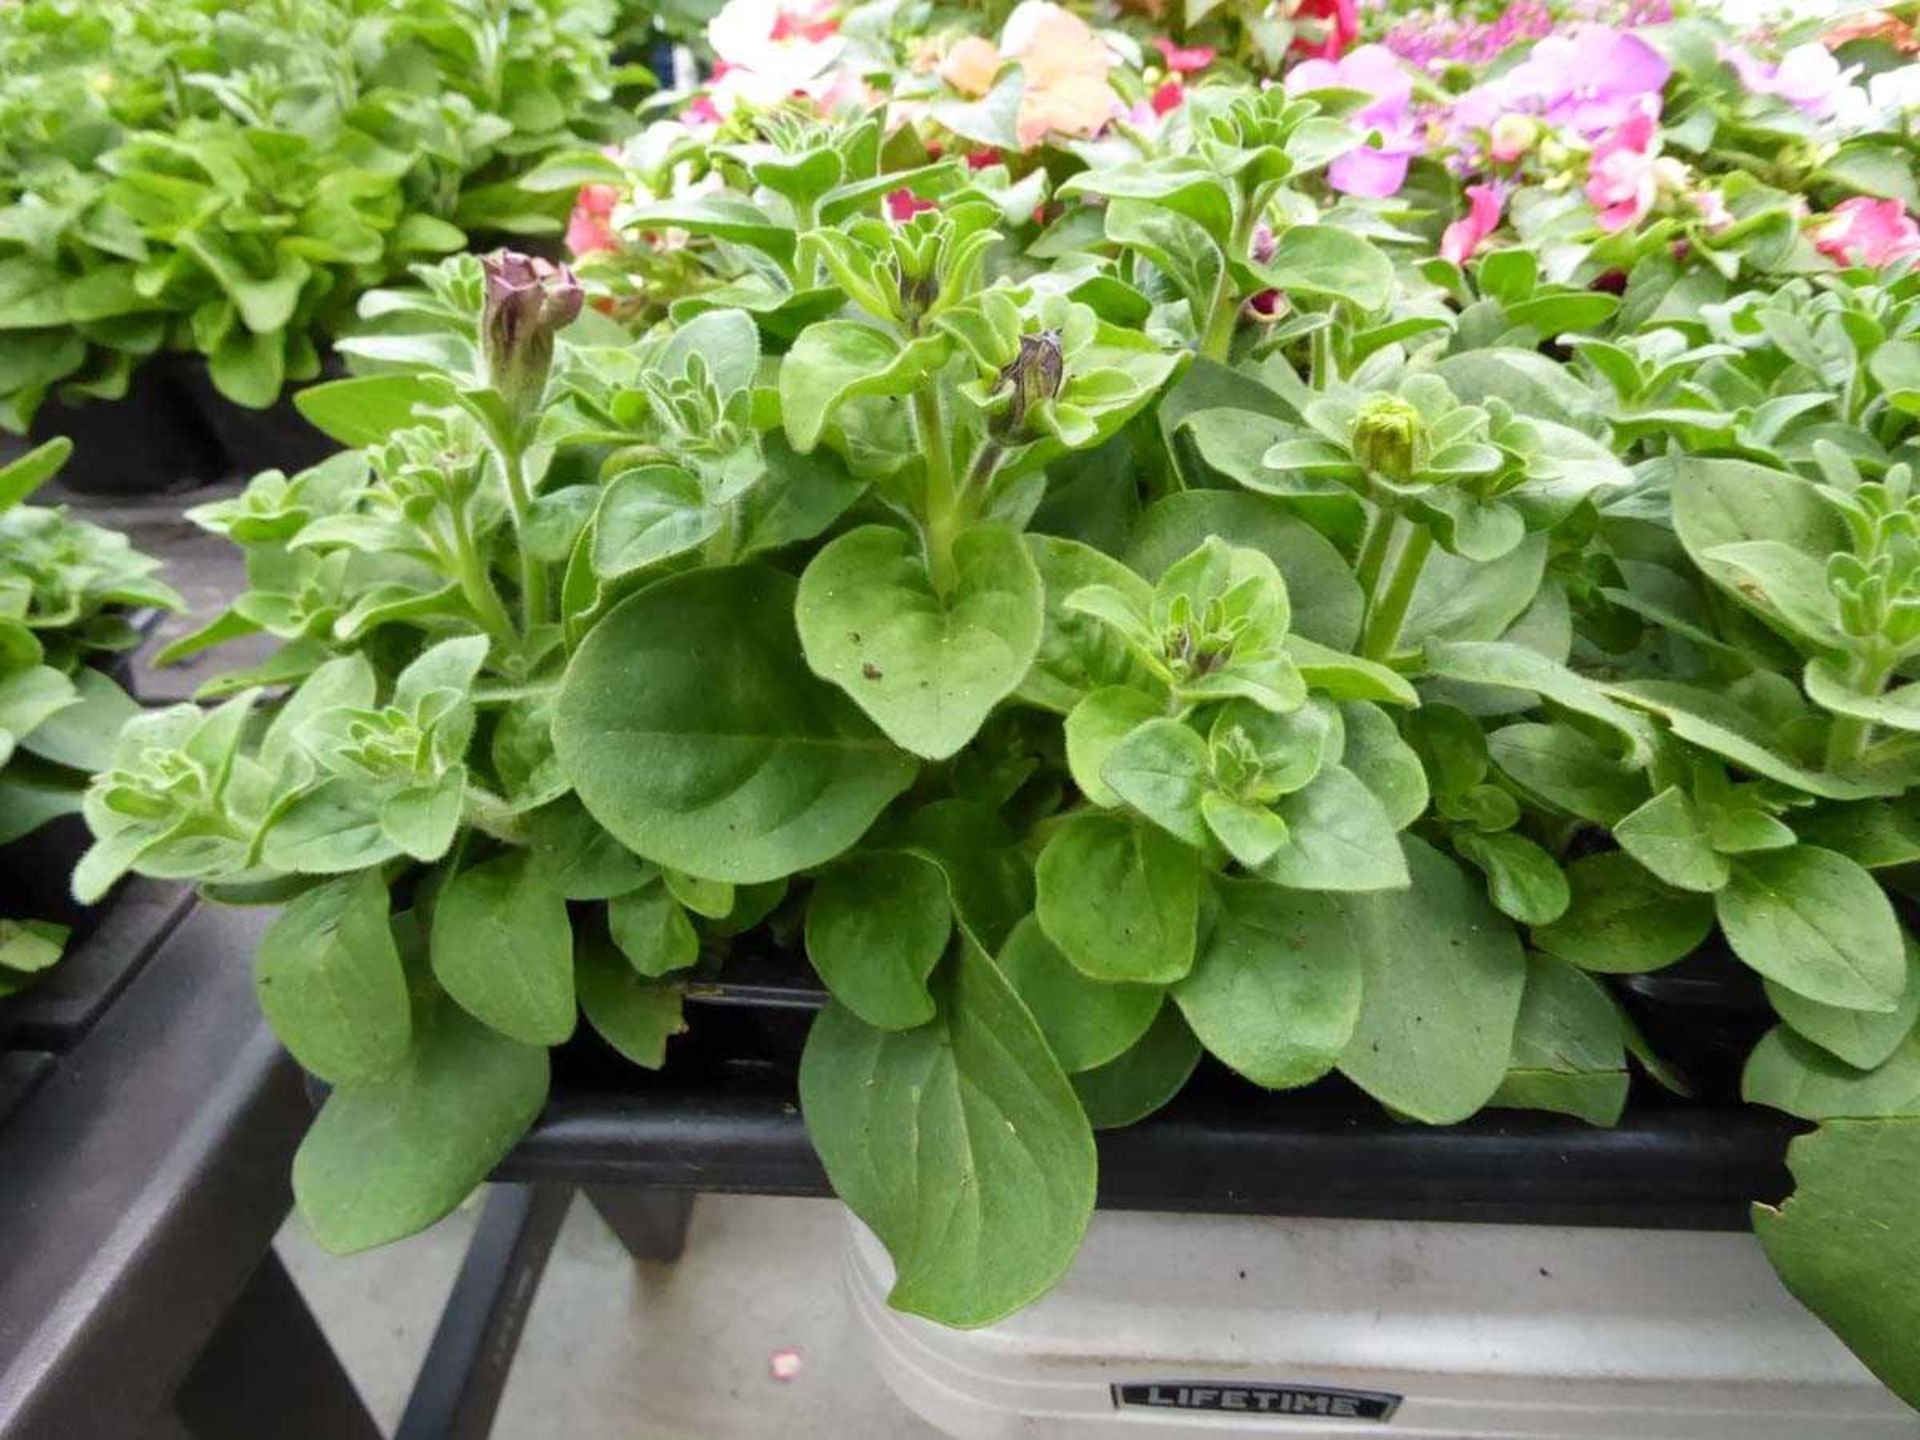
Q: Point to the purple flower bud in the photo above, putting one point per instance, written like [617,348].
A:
[528,300]
[1263,244]
[1034,375]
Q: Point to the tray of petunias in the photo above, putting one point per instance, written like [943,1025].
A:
[70,594]
[189,176]
[1195,617]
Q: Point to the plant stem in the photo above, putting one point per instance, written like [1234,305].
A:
[1388,609]
[943,514]
[477,585]
[1320,348]
[1223,316]
[533,573]
[1848,736]
[1375,548]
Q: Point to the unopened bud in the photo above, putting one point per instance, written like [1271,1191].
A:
[1390,437]
[1035,374]
[528,300]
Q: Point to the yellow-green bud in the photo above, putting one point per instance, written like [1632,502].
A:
[1390,437]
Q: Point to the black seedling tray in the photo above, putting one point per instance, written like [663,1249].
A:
[723,1115]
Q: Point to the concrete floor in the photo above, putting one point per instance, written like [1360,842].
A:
[615,1350]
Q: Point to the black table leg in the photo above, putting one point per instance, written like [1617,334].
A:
[652,1224]
[465,1371]
[268,1370]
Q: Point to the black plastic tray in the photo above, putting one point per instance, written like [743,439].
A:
[723,1115]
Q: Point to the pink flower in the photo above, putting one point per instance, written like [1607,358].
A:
[1711,206]
[1189,60]
[903,205]
[1861,231]
[590,227]
[1167,98]
[981,159]
[1466,235]
[1807,77]
[1378,167]
[1589,82]
[1621,180]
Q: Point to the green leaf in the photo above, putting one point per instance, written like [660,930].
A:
[841,360]
[1330,262]
[582,860]
[1152,1072]
[648,515]
[959,1143]
[691,728]
[1666,835]
[653,931]
[1120,898]
[1275,990]
[928,667]
[1847,1243]
[1721,503]
[1078,654]
[1095,726]
[368,409]
[1523,880]
[1818,924]
[1710,720]
[20,477]
[330,830]
[329,981]
[1161,769]
[1384,763]
[635,1015]
[876,926]
[1442,979]
[1622,920]
[1493,663]
[1567,769]
[1798,1077]
[1782,583]
[1339,837]
[81,735]
[387,1159]
[1569,1052]
[1087,1023]
[1862,1038]
[1326,599]
[503,948]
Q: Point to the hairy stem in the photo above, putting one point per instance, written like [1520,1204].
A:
[943,515]
[1374,549]
[1388,609]
[534,599]
[476,584]
[1848,736]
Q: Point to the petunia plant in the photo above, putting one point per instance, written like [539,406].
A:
[68,591]
[1204,618]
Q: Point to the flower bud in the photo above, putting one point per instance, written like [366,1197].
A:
[1035,374]
[1390,437]
[528,300]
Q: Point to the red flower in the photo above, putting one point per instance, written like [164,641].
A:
[1190,60]
[981,159]
[903,205]
[1168,97]
[1341,25]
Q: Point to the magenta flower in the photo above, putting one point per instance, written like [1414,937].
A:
[1378,166]
[1861,231]
[1808,77]
[1589,82]
[1621,180]
[903,205]
[1466,235]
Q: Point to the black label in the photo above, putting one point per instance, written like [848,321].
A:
[1317,1400]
